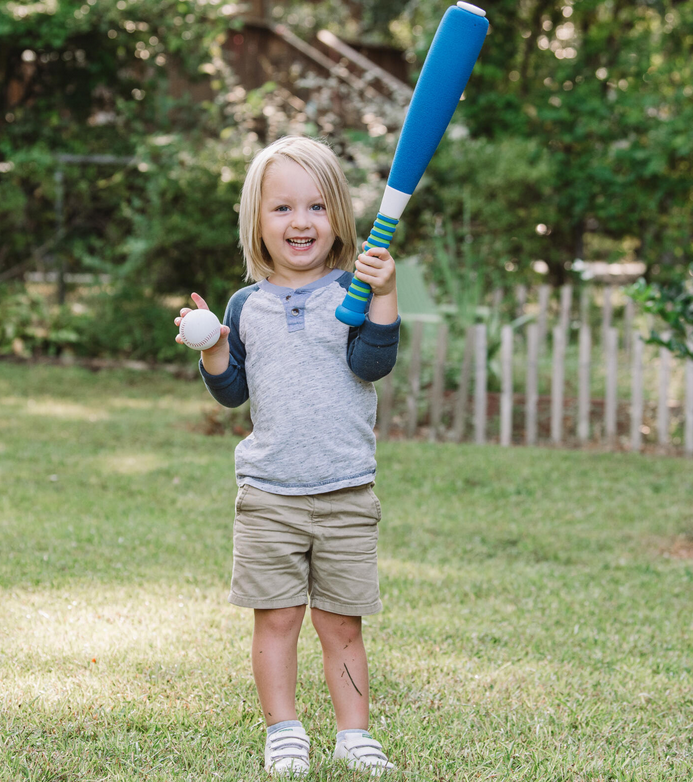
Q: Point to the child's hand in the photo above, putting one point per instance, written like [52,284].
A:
[377,268]
[221,346]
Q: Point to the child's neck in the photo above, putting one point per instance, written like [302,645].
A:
[297,280]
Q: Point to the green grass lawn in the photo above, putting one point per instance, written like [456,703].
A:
[538,620]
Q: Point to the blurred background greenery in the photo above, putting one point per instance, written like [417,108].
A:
[573,142]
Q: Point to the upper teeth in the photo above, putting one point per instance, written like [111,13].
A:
[300,241]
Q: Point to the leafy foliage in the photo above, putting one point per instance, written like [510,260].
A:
[673,304]
[604,91]
[130,322]
[30,325]
[575,124]
[120,321]
[94,79]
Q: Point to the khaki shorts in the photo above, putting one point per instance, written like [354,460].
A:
[323,545]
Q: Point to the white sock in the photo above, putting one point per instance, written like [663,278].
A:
[341,735]
[282,726]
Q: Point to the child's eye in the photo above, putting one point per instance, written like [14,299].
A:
[281,208]
[318,207]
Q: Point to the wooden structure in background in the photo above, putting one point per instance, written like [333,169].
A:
[508,417]
[263,50]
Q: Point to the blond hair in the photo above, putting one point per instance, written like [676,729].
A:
[320,162]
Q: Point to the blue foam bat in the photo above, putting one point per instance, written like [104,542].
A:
[444,76]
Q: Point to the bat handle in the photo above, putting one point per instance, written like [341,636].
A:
[352,310]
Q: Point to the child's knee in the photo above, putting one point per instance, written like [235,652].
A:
[335,626]
[279,621]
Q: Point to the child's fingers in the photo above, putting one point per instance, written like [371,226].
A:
[376,252]
[375,248]
[363,269]
[371,261]
[370,265]
[223,337]
[371,279]
[376,271]
[201,303]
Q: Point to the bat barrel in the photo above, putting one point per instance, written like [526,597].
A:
[444,76]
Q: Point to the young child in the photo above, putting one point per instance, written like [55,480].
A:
[306,515]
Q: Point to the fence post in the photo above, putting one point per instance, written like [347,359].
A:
[544,293]
[585,305]
[414,378]
[506,429]
[521,299]
[557,386]
[662,404]
[438,388]
[628,325]
[463,390]
[585,350]
[688,413]
[566,302]
[606,313]
[480,405]
[611,387]
[385,405]
[636,395]
[58,252]
[531,386]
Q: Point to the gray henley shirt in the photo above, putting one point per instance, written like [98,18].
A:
[310,382]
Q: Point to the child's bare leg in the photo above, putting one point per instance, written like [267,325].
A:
[274,655]
[346,666]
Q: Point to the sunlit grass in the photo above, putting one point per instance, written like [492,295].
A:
[537,621]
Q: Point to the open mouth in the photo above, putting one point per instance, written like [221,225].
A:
[301,244]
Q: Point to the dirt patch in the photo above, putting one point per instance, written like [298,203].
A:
[681,548]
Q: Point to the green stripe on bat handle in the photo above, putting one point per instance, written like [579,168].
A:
[352,310]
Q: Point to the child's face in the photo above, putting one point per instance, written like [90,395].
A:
[294,225]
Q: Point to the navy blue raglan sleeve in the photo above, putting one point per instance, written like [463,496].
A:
[371,347]
[230,388]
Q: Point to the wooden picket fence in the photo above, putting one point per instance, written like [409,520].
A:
[469,409]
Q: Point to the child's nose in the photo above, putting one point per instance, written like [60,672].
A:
[301,218]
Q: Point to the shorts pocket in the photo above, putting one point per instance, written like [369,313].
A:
[240,497]
[376,504]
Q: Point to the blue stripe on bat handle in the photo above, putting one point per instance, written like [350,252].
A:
[444,76]
[352,310]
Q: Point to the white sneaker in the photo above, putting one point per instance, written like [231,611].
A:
[363,753]
[286,753]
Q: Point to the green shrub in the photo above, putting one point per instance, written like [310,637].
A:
[32,326]
[129,323]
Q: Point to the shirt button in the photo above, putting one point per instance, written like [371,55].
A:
[294,311]
[288,297]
